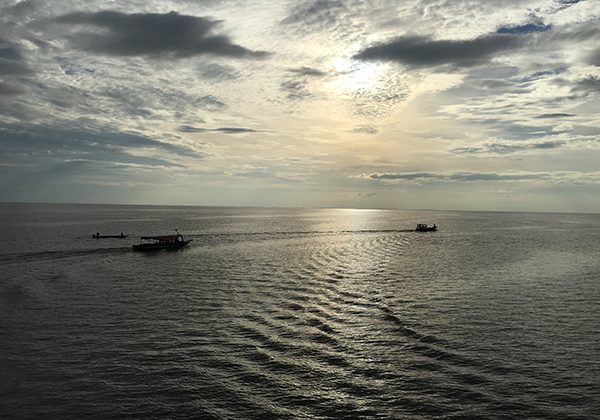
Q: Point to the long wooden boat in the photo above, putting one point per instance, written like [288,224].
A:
[155,243]
[422,227]
[98,236]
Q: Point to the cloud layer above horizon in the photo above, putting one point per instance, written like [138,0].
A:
[418,104]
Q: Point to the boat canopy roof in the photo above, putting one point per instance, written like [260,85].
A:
[162,238]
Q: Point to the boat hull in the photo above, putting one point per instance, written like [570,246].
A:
[158,247]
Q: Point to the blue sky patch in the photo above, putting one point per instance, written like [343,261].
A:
[523,29]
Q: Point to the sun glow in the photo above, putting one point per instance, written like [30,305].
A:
[353,75]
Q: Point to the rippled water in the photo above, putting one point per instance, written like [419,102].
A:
[299,313]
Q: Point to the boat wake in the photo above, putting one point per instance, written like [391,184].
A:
[22,257]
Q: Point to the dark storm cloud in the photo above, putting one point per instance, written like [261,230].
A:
[152,34]
[420,51]
[225,130]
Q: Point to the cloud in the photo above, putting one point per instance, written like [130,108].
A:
[498,148]
[375,103]
[295,89]
[494,84]
[365,129]
[296,86]
[587,85]
[515,131]
[216,71]
[579,32]
[234,130]
[7,89]
[594,58]
[564,4]
[558,177]
[225,130]
[13,70]
[21,8]
[67,141]
[308,71]
[10,53]
[316,13]
[536,110]
[420,51]
[12,60]
[209,102]
[538,75]
[190,129]
[152,34]
[555,115]
[456,176]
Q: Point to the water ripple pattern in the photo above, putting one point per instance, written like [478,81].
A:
[283,313]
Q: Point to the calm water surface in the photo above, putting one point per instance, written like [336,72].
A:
[298,313]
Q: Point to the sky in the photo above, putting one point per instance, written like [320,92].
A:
[419,104]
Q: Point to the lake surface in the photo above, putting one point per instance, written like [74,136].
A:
[298,313]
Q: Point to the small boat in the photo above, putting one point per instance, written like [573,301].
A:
[155,243]
[98,236]
[422,227]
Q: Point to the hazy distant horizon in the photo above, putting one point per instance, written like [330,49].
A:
[295,207]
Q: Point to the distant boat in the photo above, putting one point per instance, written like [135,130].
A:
[422,227]
[155,243]
[98,236]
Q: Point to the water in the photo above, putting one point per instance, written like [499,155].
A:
[298,313]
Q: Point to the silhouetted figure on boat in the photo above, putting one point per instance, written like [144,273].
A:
[422,227]
[98,236]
